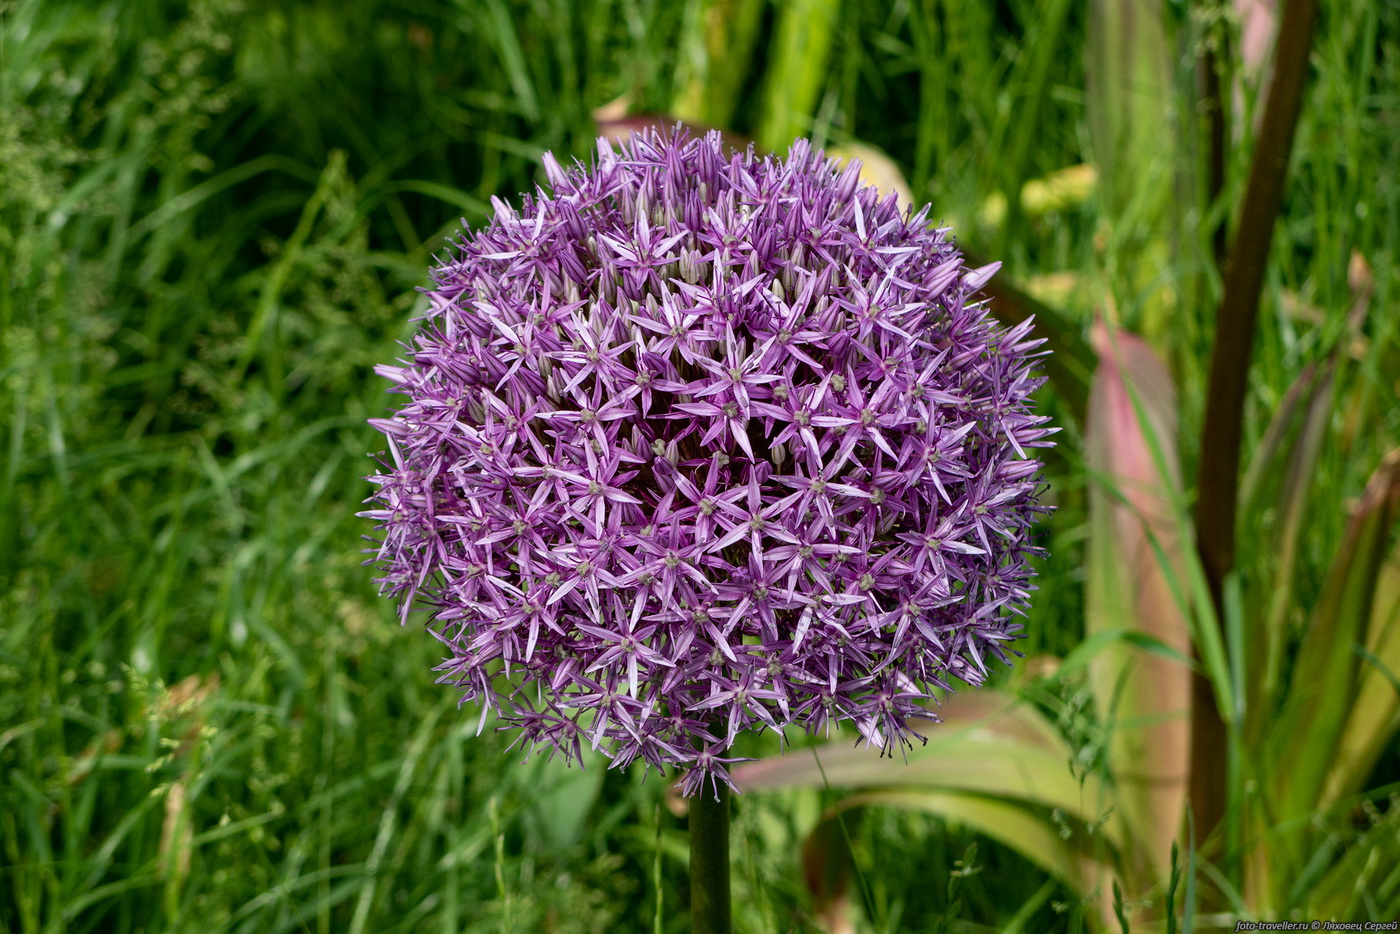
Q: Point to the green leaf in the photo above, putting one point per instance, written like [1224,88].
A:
[1137,560]
[191,198]
[1127,68]
[1029,832]
[987,743]
[445,193]
[1083,653]
[561,795]
[1323,692]
[1374,718]
[499,26]
[1137,144]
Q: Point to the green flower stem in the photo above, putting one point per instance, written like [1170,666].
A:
[709,862]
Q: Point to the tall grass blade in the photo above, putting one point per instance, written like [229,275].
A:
[1130,105]
[500,24]
[1256,489]
[1212,83]
[797,72]
[389,817]
[1363,882]
[1043,47]
[1281,477]
[1173,880]
[716,53]
[931,141]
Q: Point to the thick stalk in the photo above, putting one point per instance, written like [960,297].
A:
[709,862]
[1218,477]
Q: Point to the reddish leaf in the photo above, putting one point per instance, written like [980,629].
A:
[1136,573]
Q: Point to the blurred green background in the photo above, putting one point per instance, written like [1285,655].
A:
[213,218]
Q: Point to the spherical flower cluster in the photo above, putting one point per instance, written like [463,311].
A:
[704,442]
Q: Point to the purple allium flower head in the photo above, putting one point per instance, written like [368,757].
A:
[699,443]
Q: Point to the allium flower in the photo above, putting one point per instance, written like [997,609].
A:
[697,444]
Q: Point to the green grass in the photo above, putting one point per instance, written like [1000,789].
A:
[213,218]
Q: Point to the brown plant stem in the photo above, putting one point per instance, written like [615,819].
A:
[709,861]
[1219,466]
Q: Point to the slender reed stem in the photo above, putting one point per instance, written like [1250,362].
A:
[709,862]
[1218,477]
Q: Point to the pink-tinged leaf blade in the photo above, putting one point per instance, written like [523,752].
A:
[1264,464]
[1137,563]
[1259,22]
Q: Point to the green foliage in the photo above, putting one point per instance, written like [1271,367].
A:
[213,217]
